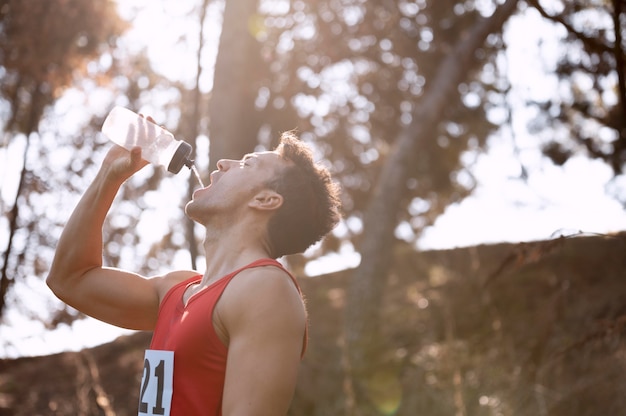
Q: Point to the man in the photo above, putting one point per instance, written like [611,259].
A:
[228,342]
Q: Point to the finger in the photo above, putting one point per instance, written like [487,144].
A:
[135,155]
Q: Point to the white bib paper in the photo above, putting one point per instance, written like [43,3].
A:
[155,397]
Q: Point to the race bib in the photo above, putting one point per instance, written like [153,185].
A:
[155,397]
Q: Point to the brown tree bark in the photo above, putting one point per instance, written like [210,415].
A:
[194,131]
[231,106]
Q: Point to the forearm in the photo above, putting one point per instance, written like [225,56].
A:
[77,277]
[80,246]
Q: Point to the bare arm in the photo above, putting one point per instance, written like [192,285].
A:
[265,319]
[77,276]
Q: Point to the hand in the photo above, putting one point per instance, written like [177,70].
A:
[120,164]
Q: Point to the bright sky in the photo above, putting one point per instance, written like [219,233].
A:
[552,199]
[502,209]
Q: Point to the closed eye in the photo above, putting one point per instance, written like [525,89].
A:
[245,161]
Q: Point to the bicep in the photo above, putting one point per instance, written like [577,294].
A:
[115,296]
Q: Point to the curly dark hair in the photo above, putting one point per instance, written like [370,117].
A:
[311,204]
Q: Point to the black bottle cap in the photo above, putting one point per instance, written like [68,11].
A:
[181,158]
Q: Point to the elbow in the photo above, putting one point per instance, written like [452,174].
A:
[52,280]
[59,280]
[64,282]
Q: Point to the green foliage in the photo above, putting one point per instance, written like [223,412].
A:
[53,55]
[355,71]
[43,45]
[589,116]
[347,74]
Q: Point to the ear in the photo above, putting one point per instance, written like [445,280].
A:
[266,200]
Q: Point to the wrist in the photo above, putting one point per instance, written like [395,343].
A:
[107,181]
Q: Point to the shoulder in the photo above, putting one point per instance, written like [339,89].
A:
[262,292]
[271,281]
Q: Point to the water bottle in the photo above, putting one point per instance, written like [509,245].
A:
[158,146]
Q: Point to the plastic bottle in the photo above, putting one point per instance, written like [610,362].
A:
[158,146]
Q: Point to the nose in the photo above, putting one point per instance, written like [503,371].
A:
[224,164]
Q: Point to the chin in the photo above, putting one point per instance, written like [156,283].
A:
[194,212]
[189,208]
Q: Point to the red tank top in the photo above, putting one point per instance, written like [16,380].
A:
[199,354]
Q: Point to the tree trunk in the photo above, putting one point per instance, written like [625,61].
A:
[380,218]
[232,129]
[194,130]
[34,115]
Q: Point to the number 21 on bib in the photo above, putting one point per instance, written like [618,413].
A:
[155,397]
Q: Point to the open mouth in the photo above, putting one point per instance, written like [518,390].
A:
[214,177]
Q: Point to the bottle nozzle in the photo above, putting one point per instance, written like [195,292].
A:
[181,158]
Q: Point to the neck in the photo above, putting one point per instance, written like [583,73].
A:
[232,247]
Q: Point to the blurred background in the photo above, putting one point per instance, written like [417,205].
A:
[447,123]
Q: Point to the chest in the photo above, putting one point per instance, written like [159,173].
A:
[188,322]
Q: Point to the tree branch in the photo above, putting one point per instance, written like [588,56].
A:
[589,42]
[620,67]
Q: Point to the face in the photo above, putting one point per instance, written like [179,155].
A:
[233,185]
